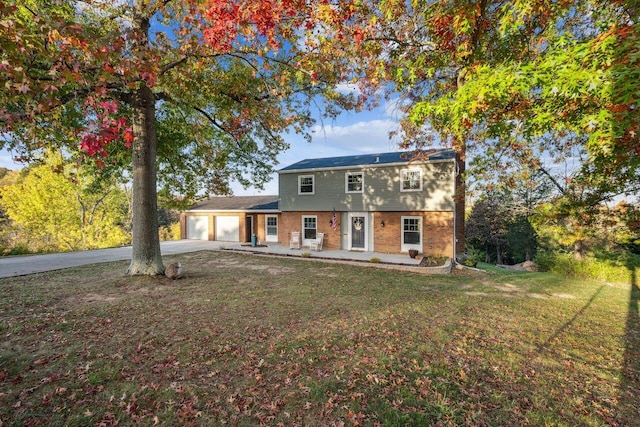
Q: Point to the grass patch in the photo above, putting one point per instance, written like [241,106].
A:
[248,340]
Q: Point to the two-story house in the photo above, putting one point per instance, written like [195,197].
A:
[384,203]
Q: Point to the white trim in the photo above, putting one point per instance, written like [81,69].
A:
[366,230]
[270,237]
[313,185]
[403,171]
[346,182]
[307,242]
[406,247]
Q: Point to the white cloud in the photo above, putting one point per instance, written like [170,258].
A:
[362,137]
[348,88]
[359,137]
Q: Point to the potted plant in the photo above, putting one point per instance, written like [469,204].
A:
[413,253]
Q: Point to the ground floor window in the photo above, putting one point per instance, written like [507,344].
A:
[411,233]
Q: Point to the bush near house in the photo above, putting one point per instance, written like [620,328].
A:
[170,231]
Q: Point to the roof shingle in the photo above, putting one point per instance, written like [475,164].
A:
[366,160]
[238,203]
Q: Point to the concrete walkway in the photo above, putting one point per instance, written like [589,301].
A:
[30,264]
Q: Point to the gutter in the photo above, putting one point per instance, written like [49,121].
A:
[357,167]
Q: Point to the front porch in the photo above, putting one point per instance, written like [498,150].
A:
[277,249]
[387,261]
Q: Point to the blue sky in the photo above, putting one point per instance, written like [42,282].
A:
[351,133]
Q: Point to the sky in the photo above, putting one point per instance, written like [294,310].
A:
[351,133]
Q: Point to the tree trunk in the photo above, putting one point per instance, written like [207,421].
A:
[145,256]
[527,254]
[499,253]
[578,250]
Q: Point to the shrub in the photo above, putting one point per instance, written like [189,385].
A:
[472,258]
[305,254]
[375,260]
[170,231]
[17,249]
[602,266]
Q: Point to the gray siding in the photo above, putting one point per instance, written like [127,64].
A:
[381,190]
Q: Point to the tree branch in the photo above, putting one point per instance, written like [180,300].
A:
[171,65]
[562,190]
[159,6]
[401,43]
[212,120]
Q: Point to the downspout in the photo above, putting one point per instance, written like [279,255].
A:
[455,211]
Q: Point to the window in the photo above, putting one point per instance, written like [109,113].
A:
[305,184]
[411,180]
[354,182]
[411,233]
[309,227]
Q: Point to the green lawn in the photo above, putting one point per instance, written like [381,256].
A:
[244,340]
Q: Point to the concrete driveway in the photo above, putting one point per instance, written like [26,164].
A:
[22,265]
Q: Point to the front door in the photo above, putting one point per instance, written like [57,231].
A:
[271,228]
[309,229]
[357,231]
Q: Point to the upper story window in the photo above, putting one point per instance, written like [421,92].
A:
[305,184]
[354,182]
[411,180]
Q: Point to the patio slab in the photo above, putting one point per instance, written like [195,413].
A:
[278,249]
[387,261]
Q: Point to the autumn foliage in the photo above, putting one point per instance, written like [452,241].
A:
[217,83]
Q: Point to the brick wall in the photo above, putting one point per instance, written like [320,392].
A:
[437,232]
[183,226]
[292,221]
[258,227]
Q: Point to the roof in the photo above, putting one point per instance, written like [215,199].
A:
[367,160]
[238,203]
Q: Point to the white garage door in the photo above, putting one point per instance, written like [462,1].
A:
[198,227]
[228,228]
